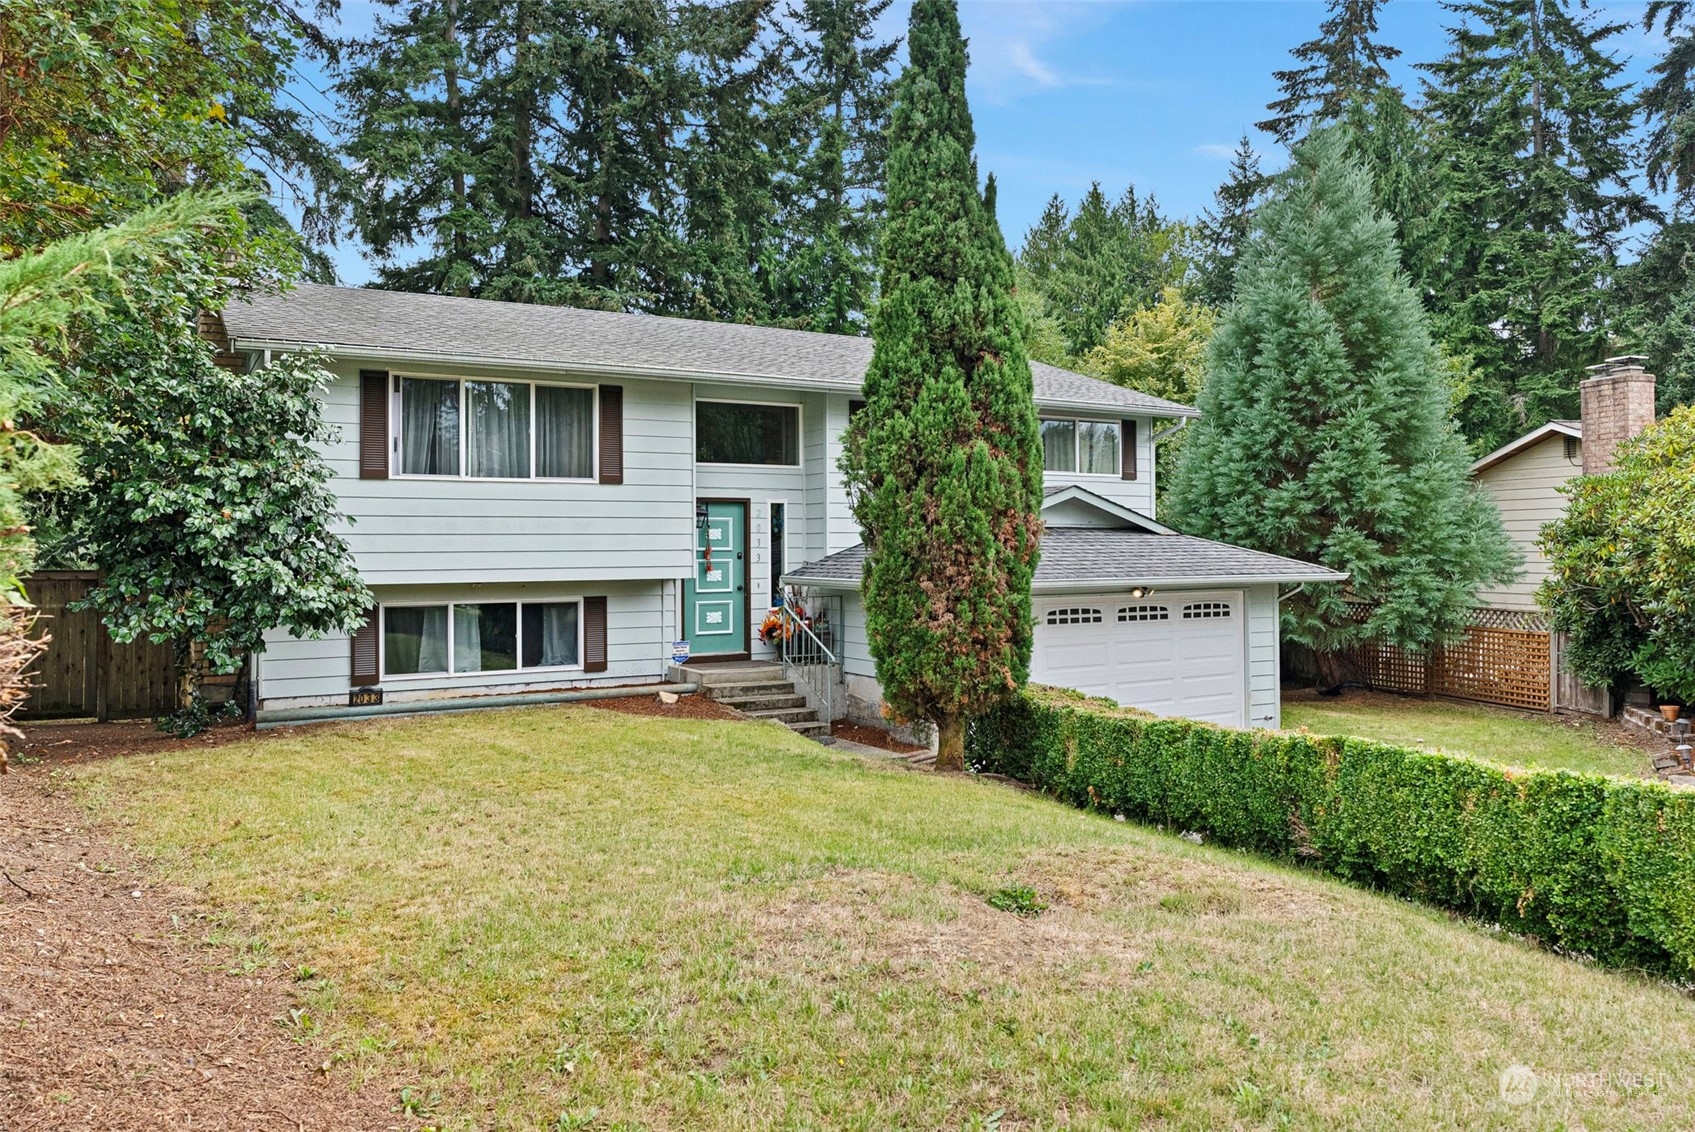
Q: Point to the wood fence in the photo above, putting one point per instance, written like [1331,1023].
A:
[84,672]
[1506,657]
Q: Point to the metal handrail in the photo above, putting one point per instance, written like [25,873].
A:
[794,627]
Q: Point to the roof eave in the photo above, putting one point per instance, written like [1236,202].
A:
[354,352]
[1529,440]
[1109,585]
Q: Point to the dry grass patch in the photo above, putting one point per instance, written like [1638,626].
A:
[568,918]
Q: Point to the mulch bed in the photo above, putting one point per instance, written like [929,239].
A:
[112,1014]
[873,737]
[692,706]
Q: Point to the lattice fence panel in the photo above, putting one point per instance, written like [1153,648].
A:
[1497,666]
[1390,669]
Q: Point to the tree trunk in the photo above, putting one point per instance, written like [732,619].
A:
[950,743]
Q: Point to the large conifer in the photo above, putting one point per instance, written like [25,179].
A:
[1223,230]
[944,463]
[1533,130]
[1325,432]
[1343,65]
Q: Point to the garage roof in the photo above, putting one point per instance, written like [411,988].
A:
[1076,559]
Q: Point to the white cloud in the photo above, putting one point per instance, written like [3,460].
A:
[1013,45]
[1214,151]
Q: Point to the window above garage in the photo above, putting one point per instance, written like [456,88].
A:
[1088,448]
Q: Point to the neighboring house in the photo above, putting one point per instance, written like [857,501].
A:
[1525,476]
[547,497]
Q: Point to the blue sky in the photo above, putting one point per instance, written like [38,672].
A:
[1149,92]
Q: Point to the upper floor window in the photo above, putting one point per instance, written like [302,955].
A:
[1086,447]
[496,429]
[741,432]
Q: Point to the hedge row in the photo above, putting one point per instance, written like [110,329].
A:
[1599,866]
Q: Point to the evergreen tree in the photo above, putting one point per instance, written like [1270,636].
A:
[1044,244]
[835,108]
[1112,257]
[610,153]
[1669,101]
[944,463]
[1224,229]
[1343,65]
[1325,432]
[1533,133]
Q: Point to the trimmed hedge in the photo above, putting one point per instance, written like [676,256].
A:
[1599,866]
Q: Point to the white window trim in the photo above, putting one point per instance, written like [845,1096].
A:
[1077,448]
[800,433]
[449,674]
[396,441]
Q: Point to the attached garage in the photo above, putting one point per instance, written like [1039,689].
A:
[1181,654]
[1125,608]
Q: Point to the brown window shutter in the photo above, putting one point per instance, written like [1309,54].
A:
[611,436]
[1127,450]
[365,651]
[373,424]
[594,634]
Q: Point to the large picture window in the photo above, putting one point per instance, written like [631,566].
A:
[480,636]
[1082,447]
[733,432]
[496,429]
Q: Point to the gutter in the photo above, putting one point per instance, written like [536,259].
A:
[1106,585]
[284,717]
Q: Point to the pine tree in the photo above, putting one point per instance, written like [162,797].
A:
[1533,132]
[1224,229]
[944,463]
[834,109]
[1343,65]
[1325,432]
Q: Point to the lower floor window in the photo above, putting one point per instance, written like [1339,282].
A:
[483,636]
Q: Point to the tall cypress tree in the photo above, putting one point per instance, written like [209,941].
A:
[1533,131]
[944,463]
[1325,432]
[1344,64]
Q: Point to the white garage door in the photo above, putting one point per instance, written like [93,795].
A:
[1172,655]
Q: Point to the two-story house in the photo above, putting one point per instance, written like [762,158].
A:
[546,497]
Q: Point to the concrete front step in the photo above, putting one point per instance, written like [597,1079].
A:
[787,716]
[745,689]
[812,729]
[752,704]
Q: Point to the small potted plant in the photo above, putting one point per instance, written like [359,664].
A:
[1669,680]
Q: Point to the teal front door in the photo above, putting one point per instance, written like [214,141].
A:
[715,599]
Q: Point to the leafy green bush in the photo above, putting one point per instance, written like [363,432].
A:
[1621,577]
[1599,866]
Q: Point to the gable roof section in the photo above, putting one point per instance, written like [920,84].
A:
[1084,559]
[1531,439]
[1061,498]
[400,326]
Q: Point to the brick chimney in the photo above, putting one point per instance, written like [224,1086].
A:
[1618,403]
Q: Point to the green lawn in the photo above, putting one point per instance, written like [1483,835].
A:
[567,918]
[1515,738]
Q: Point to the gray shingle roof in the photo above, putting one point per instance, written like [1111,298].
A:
[1087,556]
[440,327]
